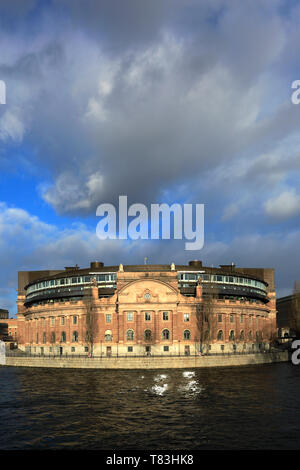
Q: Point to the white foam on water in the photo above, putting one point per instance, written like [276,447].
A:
[191,388]
[160,377]
[188,374]
[159,389]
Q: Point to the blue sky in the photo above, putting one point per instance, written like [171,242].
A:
[163,101]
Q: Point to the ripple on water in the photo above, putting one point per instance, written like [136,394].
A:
[173,409]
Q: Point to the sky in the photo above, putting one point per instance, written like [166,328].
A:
[168,101]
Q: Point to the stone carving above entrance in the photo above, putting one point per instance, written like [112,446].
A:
[147,296]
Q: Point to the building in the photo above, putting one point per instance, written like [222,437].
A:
[146,309]
[288,314]
[3,324]
[3,314]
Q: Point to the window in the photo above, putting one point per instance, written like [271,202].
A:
[148,335]
[108,318]
[165,334]
[206,319]
[37,337]
[242,319]
[130,349]
[165,315]
[220,318]
[130,335]
[62,320]
[108,337]
[231,318]
[129,316]
[75,336]
[52,321]
[52,337]
[166,348]
[231,335]
[242,335]
[220,335]
[186,334]
[147,316]
[186,317]
[44,337]
[63,337]
[250,335]
[86,349]
[72,349]
[74,320]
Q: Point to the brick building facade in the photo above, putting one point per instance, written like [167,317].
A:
[146,309]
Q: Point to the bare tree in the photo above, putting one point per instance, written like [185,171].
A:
[91,320]
[206,317]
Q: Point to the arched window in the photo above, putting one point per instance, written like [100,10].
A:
[220,336]
[108,337]
[231,335]
[63,337]
[75,336]
[52,337]
[148,335]
[242,335]
[130,335]
[250,335]
[165,334]
[186,334]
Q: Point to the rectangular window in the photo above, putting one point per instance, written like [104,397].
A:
[74,320]
[231,318]
[73,349]
[186,317]
[52,321]
[147,316]
[62,320]
[129,316]
[165,315]
[130,349]
[220,318]
[242,318]
[108,318]
[166,348]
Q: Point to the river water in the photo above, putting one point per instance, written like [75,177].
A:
[254,407]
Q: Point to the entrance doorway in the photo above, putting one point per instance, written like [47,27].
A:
[108,351]
[148,350]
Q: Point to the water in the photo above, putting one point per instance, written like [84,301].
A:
[255,407]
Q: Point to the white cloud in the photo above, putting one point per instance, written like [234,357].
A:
[283,206]
[72,193]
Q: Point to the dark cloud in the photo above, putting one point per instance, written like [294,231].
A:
[183,100]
